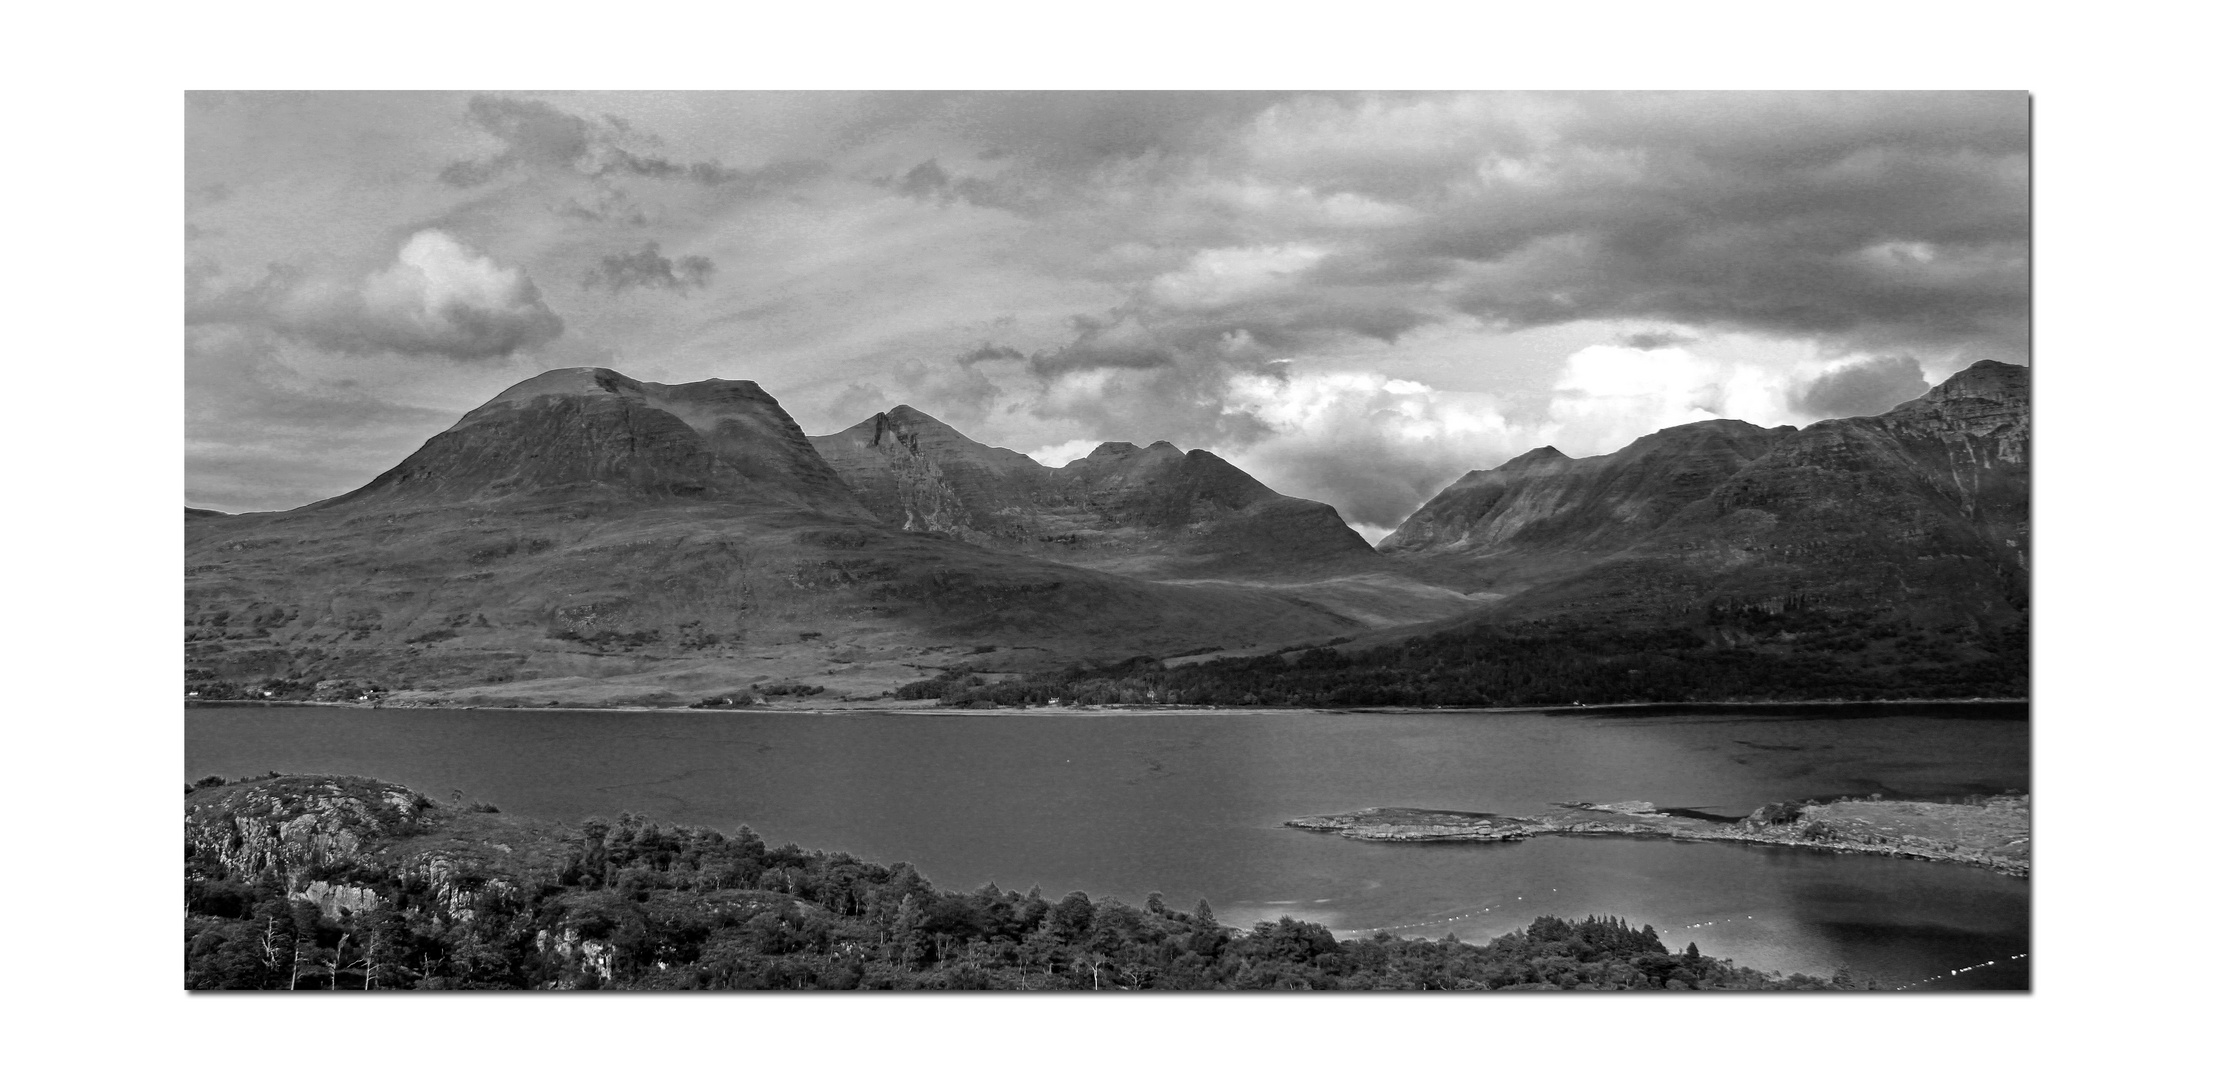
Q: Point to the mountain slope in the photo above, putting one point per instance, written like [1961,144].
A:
[584,536]
[1154,511]
[1923,510]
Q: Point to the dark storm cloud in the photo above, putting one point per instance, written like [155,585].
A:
[647,268]
[1649,340]
[927,180]
[436,298]
[1863,389]
[989,351]
[1117,340]
[535,135]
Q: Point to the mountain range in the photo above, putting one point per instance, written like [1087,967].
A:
[587,538]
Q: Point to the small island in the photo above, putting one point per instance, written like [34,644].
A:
[350,883]
[1987,831]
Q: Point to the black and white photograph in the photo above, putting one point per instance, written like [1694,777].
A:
[1107,541]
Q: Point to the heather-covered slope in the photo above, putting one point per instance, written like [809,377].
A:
[584,537]
[1154,511]
[1877,557]
[1920,512]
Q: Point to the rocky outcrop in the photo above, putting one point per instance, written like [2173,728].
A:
[317,837]
[296,828]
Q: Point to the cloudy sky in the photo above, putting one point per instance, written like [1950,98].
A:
[1356,297]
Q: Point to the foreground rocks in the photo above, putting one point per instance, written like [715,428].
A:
[1992,833]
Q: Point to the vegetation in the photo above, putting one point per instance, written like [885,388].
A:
[1735,654]
[440,902]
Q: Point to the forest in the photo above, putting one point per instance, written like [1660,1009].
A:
[459,897]
[1733,656]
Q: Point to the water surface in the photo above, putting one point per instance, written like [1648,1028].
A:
[1192,805]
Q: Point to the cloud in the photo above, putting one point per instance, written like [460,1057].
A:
[270,428]
[987,352]
[1655,339]
[927,180]
[1867,221]
[437,297]
[537,136]
[1116,340]
[1370,445]
[647,268]
[1865,388]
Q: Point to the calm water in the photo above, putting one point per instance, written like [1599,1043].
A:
[1192,805]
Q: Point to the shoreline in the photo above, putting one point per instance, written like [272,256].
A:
[1105,710]
[1985,833]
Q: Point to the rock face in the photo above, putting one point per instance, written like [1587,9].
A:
[1921,511]
[1154,511]
[297,828]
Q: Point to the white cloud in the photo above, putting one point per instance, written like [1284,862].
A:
[1225,275]
[1371,445]
[1061,454]
[1609,395]
[438,297]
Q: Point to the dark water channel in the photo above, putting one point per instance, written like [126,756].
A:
[1192,805]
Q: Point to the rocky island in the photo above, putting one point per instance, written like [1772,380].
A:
[1990,832]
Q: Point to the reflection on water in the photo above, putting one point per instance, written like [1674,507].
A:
[1192,805]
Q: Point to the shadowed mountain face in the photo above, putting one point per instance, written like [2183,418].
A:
[587,534]
[1921,512]
[1154,511]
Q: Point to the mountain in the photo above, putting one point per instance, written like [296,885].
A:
[581,430]
[1875,557]
[1547,501]
[1154,511]
[1921,511]
[586,537]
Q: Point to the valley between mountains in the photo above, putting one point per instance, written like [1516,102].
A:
[587,539]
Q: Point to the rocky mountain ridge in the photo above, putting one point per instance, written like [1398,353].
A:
[1154,511]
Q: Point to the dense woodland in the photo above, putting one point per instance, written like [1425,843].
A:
[632,904]
[1738,655]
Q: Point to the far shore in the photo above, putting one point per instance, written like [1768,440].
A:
[921,707]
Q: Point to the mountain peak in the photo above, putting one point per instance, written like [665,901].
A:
[1532,458]
[1989,379]
[909,416]
[595,429]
